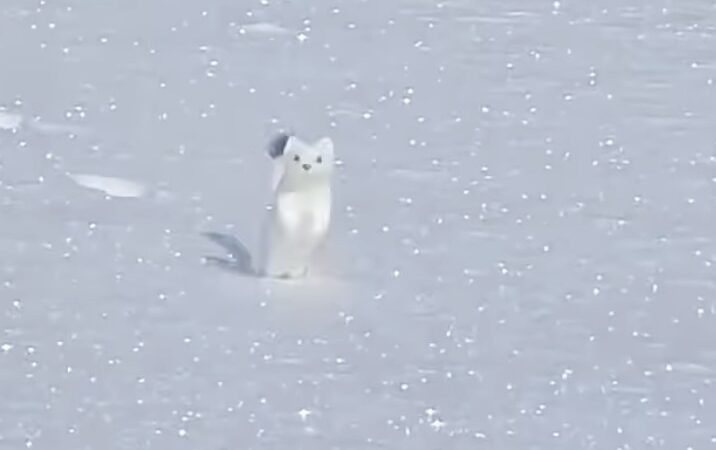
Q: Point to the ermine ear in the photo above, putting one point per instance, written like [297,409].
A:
[324,146]
[278,144]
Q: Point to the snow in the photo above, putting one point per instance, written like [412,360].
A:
[522,254]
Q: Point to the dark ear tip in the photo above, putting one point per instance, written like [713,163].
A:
[278,145]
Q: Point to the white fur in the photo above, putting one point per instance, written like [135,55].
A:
[301,210]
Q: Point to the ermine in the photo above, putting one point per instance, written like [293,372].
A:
[300,214]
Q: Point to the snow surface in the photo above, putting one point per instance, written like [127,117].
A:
[523,248]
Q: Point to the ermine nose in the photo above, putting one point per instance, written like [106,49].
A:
[306,167]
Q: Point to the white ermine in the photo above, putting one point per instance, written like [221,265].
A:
[301,209]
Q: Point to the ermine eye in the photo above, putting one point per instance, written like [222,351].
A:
[296,158]
[319,160]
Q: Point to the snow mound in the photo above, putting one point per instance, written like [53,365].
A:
[111,186]
[264,28]
[10,121]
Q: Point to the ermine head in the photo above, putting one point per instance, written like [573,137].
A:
[303,164]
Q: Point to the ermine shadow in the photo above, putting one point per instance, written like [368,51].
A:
[239,258]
